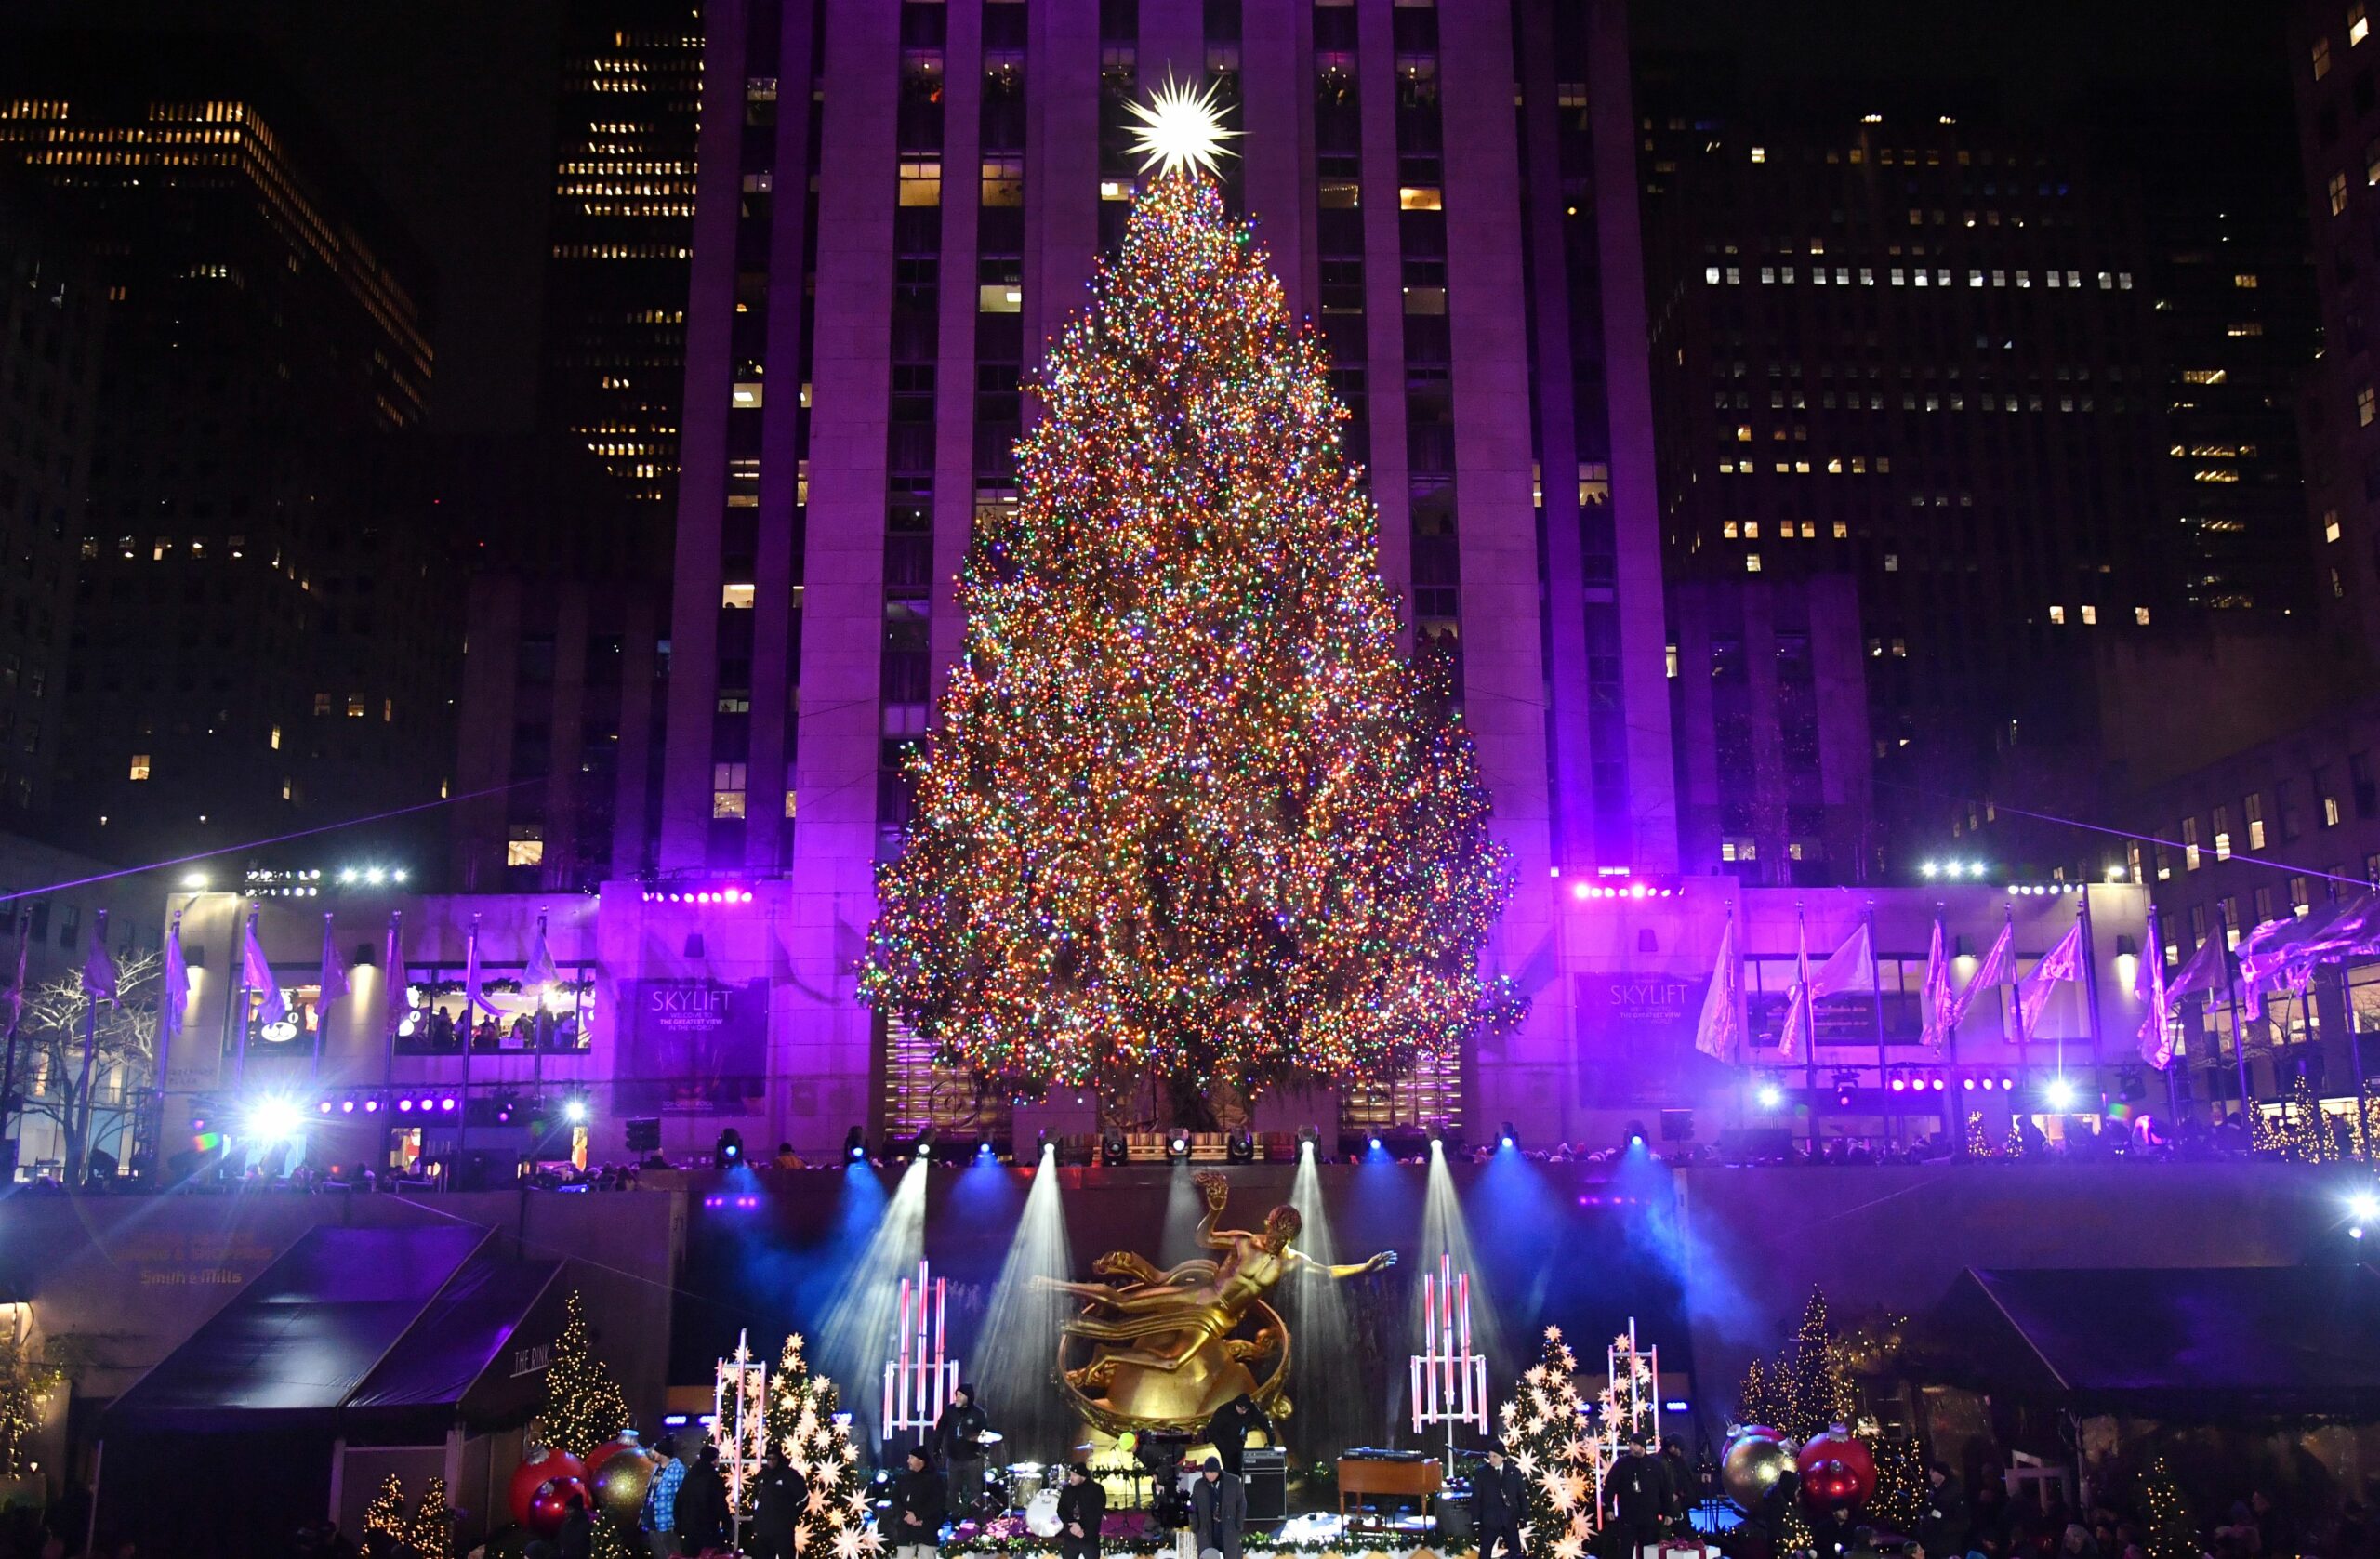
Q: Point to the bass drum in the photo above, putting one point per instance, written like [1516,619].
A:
[1041,1513]
[1024,1483]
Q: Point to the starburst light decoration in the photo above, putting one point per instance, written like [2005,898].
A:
[1180,129]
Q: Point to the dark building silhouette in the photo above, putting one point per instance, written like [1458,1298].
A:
[263,632]
[52,323]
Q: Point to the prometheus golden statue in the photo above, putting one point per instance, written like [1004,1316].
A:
[1165,1347]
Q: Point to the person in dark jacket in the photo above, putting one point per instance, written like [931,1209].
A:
[1832,1535]
[574,1539]
[1943,1525]
[1229,1429]
[702,1505]
[1082,1506]
[777,1503]
[917,1513]
[958,1444]
[1499,1501]
[1682,1485]
[1639,1490]
[1218,1509]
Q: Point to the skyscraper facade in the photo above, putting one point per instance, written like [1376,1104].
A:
[259,635]
[897,207]
[617,238]
[52,319]
[1918,353]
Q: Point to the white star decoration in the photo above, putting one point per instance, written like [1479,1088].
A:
[1179,130]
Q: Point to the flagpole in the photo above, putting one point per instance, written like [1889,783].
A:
[538,1031]
[2231,993]
[2354,1046]
[1876,990]
[2007,978]
[82,1139]
[322,998]
[239,1004]
[166,1024]
[2090,985]
[391,1001]
[1951,1038]
[16,1016]
[2156,950]
[470,1030]
[1809,1023]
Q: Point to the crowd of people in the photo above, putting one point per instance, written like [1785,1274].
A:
[439,1032]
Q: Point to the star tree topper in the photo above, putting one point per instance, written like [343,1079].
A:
[1180,129]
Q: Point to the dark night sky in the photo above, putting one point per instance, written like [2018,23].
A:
[445,105]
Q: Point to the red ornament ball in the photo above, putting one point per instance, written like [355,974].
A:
[551,1503]
[542,1465]
[1836,1470]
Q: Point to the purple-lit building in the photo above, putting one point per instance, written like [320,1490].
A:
[897,207]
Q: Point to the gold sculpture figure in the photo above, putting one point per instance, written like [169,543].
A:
[1165,1346]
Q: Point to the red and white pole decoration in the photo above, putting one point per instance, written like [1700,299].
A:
[920,1377]
[1631,1402]
[1450,1380]
[739,1427]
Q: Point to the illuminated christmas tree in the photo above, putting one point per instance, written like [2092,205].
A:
[1900,1483]
[1978,1141]
[2171,1530]
[801,1417]
[1189,813]
[385,1524]
[431,1531]
[1813,1390]
[1756,1402]
[1553,1446]
[583,1406]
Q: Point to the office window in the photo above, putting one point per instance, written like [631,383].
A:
[525,845]
[322,703]
[274,739]
[2338,194]
[354,707]
[2358,25]
[727,790]
[920,185]
[140,766]
[2222,833]
[2090,616]
[2253,809]
[2189,844]
[2364,406]
[2141,616]
[2057,616]
[2330,524]
[1751,562]
[2326,797]
[735,597]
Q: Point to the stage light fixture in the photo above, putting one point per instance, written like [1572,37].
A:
[1375,1144]
[1309,1141]
[983,1149]
[854,1144]
[372,1106]
[576,1111]
[1043,1145]
[2366,1206]
[1113,1149]
[1508,1136]
[275,1120]
[1632,1135]
[322,1106]
[1177,1144]
[1240,1147]
[447,1103]
[1771,1096]
[1438,1143]
[347,1106]
[728,1150]
[405,1106]
[2058,1093]
[925,1144]
[1900,1084]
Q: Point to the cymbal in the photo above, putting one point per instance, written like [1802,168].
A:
[990,1437]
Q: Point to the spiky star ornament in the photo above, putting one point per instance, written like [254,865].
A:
[801,1406]
[1544,1432]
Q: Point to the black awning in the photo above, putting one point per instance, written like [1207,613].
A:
[334,1313]
[2194,1342]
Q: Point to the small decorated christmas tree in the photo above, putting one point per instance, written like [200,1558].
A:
[1550,1441]
[385,1523]
[583,1406]
[2172,1531]
[801,1417]
[1979,1140]
[1756,1402]
[1813,1387]
[431,1531]
[1900,1483]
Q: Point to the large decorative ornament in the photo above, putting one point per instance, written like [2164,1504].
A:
[542,1465]
[1165,1349]
[1756,1459]
[1836,1470]
[621,1470]
[551,1503]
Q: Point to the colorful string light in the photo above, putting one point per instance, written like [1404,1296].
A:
[1189,813]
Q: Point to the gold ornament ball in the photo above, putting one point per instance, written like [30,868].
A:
[622,1479]
[1750,1466]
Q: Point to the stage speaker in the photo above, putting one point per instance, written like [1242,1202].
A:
[1265,1471]
[1454,1519]
[487,1170]
[1677,1126]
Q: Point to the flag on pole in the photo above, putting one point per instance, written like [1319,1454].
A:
[2061,962]
[256,975]
[1797,1000]
[1935,1000]
[176,998]
[1851,967]
[474,996]
[333,977]
[1719,1033]
[540,971]
[24,921]
[2202,975]
[1999,962]
[399,982]
[2156,1024]
[98,969]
